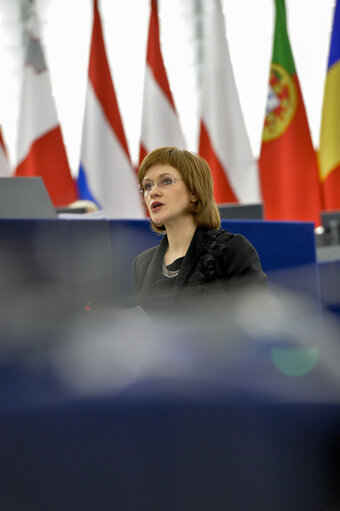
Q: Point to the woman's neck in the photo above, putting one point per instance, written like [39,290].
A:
[179,239]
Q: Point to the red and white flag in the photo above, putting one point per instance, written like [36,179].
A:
[106,174]
[160,125]
[5,170]
[41,150]
[223,139]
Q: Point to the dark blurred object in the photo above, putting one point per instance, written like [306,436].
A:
[329,234]
[99,410]
[71,210]
[328,254]
[241,211]
[122,414]
[78,207]
[25,197]
[49,267]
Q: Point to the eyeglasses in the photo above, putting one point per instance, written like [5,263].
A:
[164,181]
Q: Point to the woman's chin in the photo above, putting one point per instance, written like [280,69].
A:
[156,218]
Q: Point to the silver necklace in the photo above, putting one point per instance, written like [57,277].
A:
[170,274]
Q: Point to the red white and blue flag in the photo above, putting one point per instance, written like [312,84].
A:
[41,150]
[5,170]
[106,175]
[160,124]
[223,139]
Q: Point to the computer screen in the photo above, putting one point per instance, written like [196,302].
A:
[241,211]
[25,197]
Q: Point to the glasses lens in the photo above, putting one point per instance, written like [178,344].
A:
[167,180]
[163,181]
[148,186]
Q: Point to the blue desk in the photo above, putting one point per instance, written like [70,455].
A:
[90,261]
[286,249]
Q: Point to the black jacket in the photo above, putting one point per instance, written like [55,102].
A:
[216,261]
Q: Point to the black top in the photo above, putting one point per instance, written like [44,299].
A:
[165,284]
[216,261]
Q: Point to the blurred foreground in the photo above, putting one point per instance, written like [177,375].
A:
[235,408]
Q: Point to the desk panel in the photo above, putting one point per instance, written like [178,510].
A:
[90,260]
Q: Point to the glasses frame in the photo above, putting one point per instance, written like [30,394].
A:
[159,183]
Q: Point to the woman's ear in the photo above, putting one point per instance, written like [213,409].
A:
[193,197]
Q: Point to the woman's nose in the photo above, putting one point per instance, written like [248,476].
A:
[155,190]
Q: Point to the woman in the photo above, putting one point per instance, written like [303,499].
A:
[195,257]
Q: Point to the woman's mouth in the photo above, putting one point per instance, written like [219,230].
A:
[155,206]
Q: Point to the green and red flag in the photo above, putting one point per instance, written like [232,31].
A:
[329,150]
[288,163]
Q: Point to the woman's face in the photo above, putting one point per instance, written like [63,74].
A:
[166,195]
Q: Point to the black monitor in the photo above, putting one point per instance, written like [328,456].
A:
[241,211]
[331,224]
[25,197]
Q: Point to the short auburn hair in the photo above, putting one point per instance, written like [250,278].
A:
[196,174]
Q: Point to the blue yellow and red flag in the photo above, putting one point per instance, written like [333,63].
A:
[329,148]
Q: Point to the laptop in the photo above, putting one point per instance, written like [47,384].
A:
[25,197]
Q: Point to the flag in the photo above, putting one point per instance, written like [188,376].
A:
[288,162]
[41,150]
[106,175]
[5,170]
[223,139]
[329,149]
[160,125]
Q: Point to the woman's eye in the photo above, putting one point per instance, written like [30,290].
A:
[147,187]
[166,181]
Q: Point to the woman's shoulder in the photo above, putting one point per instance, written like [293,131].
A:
[146,256]
[228,245]
[221,240]
[236,257]
[140,265]
[222,236]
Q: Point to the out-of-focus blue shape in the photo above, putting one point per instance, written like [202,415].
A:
[124,413]
[105,409]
